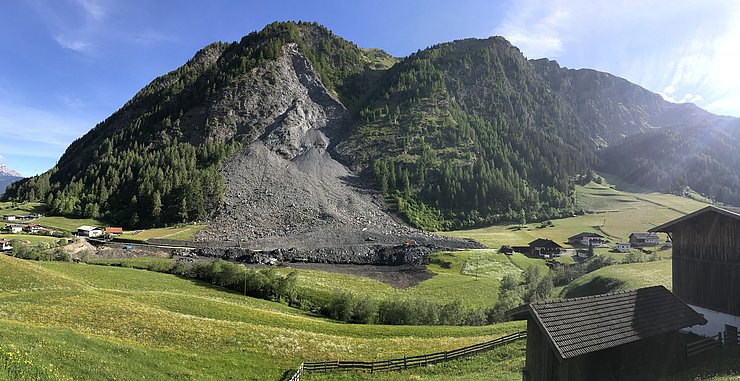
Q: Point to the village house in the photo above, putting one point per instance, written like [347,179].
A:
[706,267]
[631,335]
[13,229]
[89,231]
[643,239]
[33,229]
[5,245]
[623,247]
[545,248]
[586,238]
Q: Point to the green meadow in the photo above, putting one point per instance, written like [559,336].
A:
[94,322]
[608,211]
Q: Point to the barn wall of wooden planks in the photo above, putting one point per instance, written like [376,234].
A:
[706,262]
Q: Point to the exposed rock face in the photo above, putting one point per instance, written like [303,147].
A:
[284,188]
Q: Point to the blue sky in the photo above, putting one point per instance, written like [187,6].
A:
[68,64]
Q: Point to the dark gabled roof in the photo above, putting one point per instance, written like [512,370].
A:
[723,210]
[578,326]
[541,242]
[586,234]
[643,235]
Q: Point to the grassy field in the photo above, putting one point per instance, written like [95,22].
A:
[472,277]
[24,208]
[94,322]
[181,233]
[66,223]
[621,278]
[611,212]
[501,364]
[30,238]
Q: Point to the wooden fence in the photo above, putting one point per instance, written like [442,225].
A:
[412,361]
[297,375]
[703,345]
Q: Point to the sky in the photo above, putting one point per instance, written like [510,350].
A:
[66,65]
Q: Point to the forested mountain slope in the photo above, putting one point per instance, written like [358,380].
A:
[468,133]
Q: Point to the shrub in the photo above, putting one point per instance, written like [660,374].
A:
[341,306]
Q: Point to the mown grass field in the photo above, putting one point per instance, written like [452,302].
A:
[95,322]
[610,211]
[180,233]
[66,223]
[30,238]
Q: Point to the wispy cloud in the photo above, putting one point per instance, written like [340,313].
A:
[95,9]
[89,26]
[77,45]
[535,29]
[687,51]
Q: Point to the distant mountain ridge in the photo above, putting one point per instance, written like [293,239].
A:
[614,108]
[464,133]
[7,175]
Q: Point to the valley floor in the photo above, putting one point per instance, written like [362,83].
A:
[83,322]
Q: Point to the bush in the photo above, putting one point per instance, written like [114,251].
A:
[341,306]
[365,311]
[61,255]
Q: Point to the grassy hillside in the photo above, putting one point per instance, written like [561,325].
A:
[472,277]
[609,211]
[621,278]
[501,364]
[94,322]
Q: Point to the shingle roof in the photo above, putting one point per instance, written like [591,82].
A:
[579,326]
[586,234]
[541,242]
[643,235]
[728,211]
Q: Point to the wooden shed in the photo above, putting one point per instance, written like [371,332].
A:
[631,335]
[706,265]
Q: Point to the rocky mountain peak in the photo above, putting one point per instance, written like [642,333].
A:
[5,171]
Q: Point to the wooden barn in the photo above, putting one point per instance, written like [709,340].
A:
[631,335]
[706,266]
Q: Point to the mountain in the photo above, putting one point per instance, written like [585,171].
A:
[7,175]
[466,133]
[614,108]
[648,141]
[295,135]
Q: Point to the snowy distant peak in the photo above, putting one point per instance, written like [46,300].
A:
[5,171]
